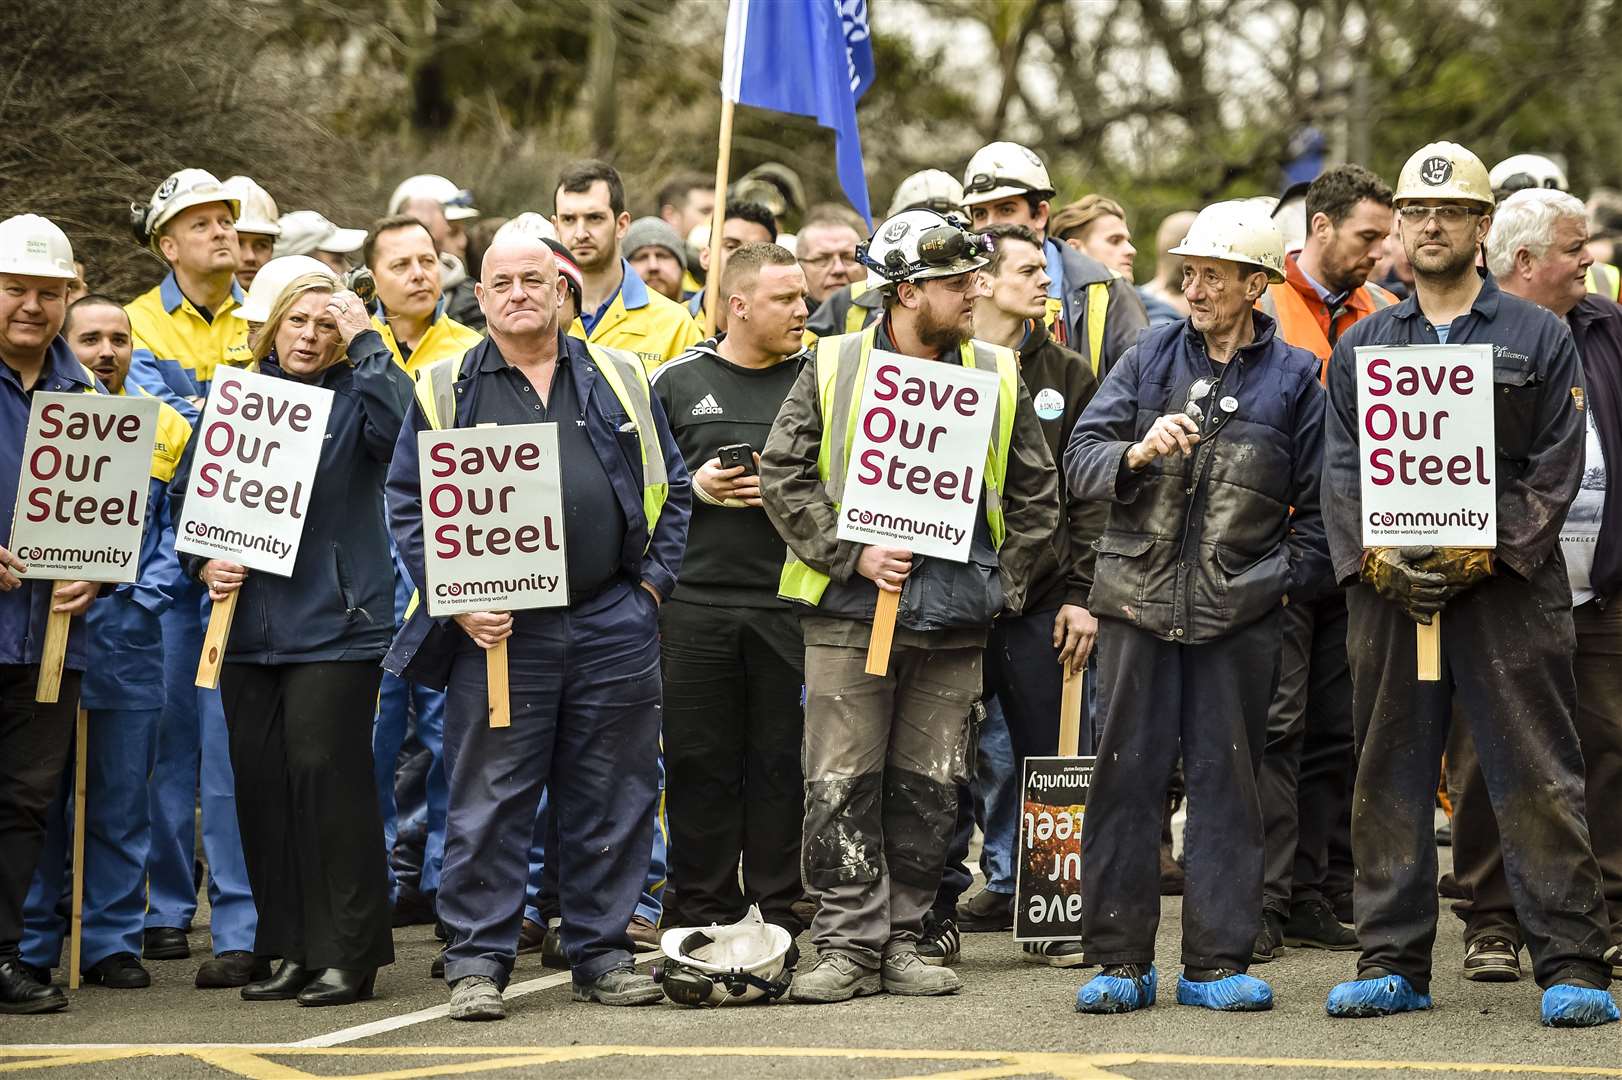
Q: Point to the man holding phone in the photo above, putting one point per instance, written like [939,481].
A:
[733,651]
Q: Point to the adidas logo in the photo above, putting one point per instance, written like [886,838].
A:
[708,407]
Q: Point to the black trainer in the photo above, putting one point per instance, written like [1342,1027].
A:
[940,944]
[1312,925]
[1270,941]
[1491,958]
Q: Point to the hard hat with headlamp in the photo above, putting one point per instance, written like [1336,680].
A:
[725,965]
[180,191]
[916,245]
[1004,169]
[1521,171]
[931,189]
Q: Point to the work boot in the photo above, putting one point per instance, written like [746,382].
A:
[906,974]
[1444,834]
[1492,958]
[164,943]
[834,977]
[986,912]
[476,998]
[624,985]
[1375,992]
[1059,954]
[940,943]
[436,968]
[1118,988]
[1341,905]
[21,993]
[1270,941]
[1223,990]
[643,934]
[1312,925]
[120,971]
[231,969]
[1576,1004]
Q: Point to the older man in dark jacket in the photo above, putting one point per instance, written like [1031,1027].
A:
[1207,438]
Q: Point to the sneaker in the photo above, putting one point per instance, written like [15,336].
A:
[1375,994]
[1223,990]
[643,934]
[1059,954]
[475,997]
[1491,958]
[986,912]
[1119,988]
[834,977]
[940,944]
[1577,1005]
[906,974]
[1613,956]
[624,985]
[1312,925]
[1270,941]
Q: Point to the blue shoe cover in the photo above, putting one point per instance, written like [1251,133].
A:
[1375,997]
[1236,993]
[1113,994]
[1578,1006]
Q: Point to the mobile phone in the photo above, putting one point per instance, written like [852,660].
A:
[738,454]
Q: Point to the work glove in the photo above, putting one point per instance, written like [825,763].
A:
[1397,575]
[1460,567]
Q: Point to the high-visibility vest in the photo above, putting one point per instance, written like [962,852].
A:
[1605,279]
[625,375]
[841,363]
[1097,308]
[1298,323]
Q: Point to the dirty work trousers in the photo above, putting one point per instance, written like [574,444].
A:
[883,758]
[1478,860]
[1308,763]
[1207,702]
[1506,663]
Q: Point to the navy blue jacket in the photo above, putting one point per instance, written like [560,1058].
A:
[422,652]
[24,611]
[339,602]
[1199,547]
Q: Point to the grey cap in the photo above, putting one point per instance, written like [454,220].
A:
[657,232]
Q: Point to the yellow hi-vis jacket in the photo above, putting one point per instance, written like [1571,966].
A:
[176,349]
[648,324]
[445,339]
[841,363]
[1605,279]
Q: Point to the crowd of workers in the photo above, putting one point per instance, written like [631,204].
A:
[1172,505]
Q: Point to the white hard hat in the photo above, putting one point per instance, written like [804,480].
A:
[275,276]
[931,189]
[1238,230]
[304,231]
[1520,171]
[32,246]
[182,191]
[529,223]
[916,245]
[258,214]
[725,965]
[458,202]
[1002,169]
[1444,170]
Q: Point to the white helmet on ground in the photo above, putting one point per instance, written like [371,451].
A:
[1521,171]
[1001,169]
[931,189]
[33,246]
[1444,170]
[275,276]
[916,245]
[725,965]
[180,191]
[458,202]
[1238,230]
[259,213]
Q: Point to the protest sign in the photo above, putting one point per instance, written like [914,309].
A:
[1047,870]
[492,520]
[254,461]
[917,464]
[1426,439]
[81,499]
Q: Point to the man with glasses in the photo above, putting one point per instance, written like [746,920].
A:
[1509,638]
[884,754]
[826,248]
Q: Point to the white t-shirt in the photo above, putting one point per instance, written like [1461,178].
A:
[1581,531]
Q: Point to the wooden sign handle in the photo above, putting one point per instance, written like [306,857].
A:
[495,676]
[214,639]
[1070,714]
[81,741]
[1429,642]
[55,651]
[878,646]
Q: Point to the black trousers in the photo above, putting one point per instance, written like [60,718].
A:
[1308,763]
[312,837]
[1208,703]
[734,786]
[35,741]
[1506,662]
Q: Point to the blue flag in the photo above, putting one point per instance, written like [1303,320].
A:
[807,57]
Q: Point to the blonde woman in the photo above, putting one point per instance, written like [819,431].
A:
[301,670]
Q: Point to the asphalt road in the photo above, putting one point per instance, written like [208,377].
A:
[1012,1019]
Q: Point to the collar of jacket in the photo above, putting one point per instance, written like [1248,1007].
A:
[1036,335]
[485,358]
[1486,302]
[1593,308]
[1357,300]
[62,371]
[171,296]
[1080,270]
[1264,328]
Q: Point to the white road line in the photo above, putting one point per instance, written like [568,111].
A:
[422,1016]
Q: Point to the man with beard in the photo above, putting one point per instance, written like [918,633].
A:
[618,309]
[1308,764]
[883,754]
[1506,649]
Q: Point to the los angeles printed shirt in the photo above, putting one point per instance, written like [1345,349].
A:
[1581,531]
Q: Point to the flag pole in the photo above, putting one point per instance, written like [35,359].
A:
[723,165]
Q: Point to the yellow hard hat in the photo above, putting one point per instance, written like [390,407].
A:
[1444,170]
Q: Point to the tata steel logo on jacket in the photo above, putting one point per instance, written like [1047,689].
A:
[1436,171]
